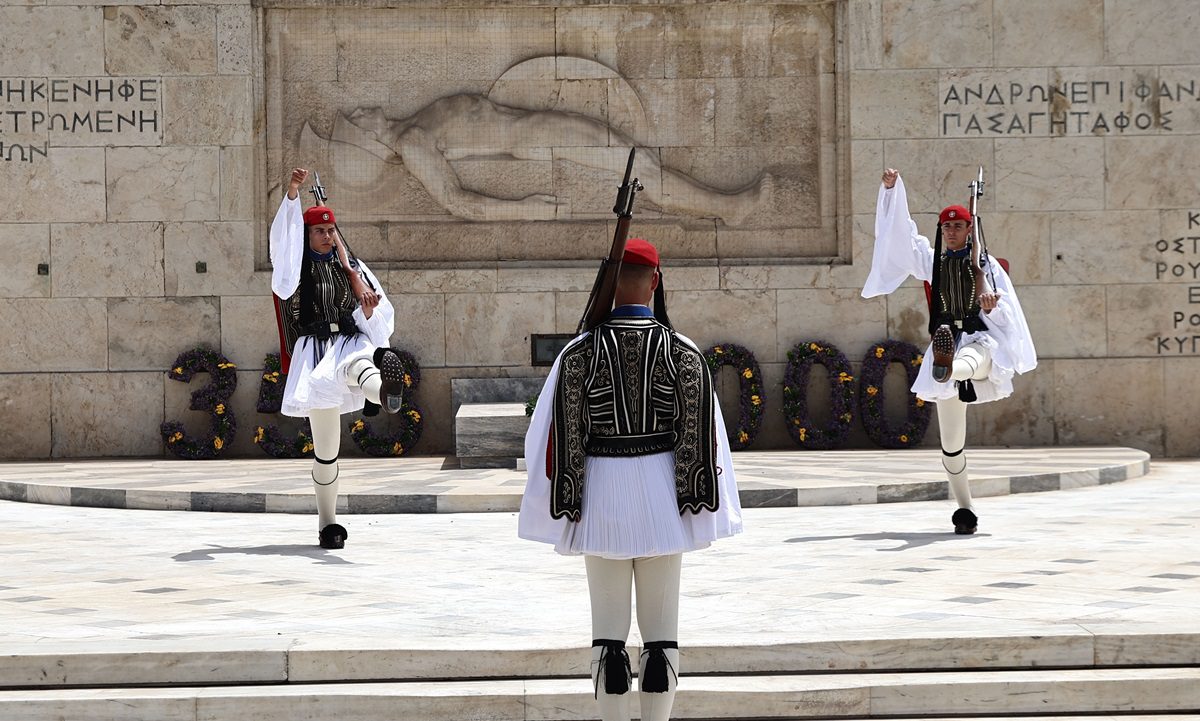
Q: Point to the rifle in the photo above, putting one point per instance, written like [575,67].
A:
[601,299]
[979,253]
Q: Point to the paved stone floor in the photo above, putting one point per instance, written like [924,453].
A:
[1123,555]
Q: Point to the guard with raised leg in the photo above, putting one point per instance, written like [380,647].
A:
[978,335]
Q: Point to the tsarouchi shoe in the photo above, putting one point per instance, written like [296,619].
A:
[965,521]
[943,353]
[333,536]
[391,373]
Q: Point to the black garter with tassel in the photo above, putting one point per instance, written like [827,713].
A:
[614,665]
[654,671]
[966,391]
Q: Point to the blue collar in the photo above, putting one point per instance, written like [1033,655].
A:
[314,255]
[959,253]
[632,311]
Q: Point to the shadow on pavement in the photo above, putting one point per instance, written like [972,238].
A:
[316,553]
[909,540]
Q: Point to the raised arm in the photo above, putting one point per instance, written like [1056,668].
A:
[900,251]
[287,239]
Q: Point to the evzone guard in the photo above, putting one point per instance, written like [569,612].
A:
[979,337]
[629,466]
[335,321]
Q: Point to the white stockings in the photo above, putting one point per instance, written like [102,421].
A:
[971,362]
[610,583]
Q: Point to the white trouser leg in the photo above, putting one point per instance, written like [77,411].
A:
[327,440]
[971,362]
[657,582]
[952,425]
[362,373]
[610,584]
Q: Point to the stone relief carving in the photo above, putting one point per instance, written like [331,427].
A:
[367,149]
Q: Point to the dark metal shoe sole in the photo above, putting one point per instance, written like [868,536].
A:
[943,353]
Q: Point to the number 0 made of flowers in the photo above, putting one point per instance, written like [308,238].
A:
[800,425]
[408,420]
[751,402]
[270,438]
[213,397]
[870,395]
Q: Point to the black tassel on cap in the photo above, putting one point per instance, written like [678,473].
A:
[653,676]
[614,666]
[660,303]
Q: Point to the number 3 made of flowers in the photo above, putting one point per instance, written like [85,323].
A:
[213,397]
[270,438]
[406,435]
[801,359]
[751,403]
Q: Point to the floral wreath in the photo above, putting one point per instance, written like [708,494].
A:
[870,397]
[795,395]
[751,401]
[212,397]
[270,400]
[403,439]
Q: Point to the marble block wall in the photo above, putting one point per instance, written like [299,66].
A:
[148,143]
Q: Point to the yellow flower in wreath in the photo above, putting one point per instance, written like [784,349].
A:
[259,433]
[177,370]
[755,400]
[903,438]
[847,417]
[747,373]
[272,377]
[220,409]
[415,416]
[743,436]
[718,350]
[225,365]
[879,351]
[814,347]
[397,449]
[920,403]
[218,443]
[306,448]
[917,361]
[803,434]
[175,437]
[356,426]
[407,380]
[872,390]
[845,377]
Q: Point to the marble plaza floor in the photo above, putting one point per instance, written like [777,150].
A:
[437,485]
[1113,561]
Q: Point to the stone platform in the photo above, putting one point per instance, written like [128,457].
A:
[1081,602]
[438,485]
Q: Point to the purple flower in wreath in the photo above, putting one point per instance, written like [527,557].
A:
[802,427]
[751,400]
[270,438]
[870,400]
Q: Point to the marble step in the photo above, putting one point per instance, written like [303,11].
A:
[950,694]
[278,660]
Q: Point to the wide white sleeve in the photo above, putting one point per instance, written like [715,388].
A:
[1006,323]
[382,323]
[287,247]
[900,251]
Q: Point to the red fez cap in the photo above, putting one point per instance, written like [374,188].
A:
[954,212]
[640,252]
[318,215]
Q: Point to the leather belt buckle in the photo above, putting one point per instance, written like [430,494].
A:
[958,324]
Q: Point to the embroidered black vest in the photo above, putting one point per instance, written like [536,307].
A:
[324,296]
[633,388]
[954,302]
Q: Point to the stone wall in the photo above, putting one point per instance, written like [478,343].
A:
[146,144]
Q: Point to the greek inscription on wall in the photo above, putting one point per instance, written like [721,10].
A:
[1178,260]
[39,114]
[1045,103]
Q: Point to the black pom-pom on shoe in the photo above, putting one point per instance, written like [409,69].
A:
[333,536]
[965,521]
